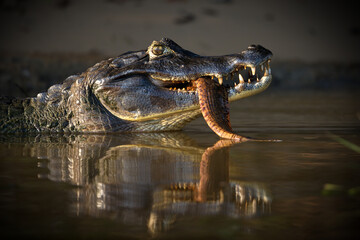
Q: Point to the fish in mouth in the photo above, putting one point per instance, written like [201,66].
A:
[214,97]
[214,102]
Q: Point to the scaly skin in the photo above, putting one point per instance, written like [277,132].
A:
[143,91]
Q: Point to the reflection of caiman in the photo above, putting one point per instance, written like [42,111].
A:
[158,89]
[152,179]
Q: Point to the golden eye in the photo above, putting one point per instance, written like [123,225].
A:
[158,49]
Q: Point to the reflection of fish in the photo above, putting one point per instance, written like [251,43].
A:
[153,178]
[212,194]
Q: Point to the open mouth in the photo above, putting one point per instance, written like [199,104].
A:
[213,94]
[240,76]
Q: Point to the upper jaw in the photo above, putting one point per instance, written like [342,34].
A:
[245,73]
[248,66]
[179,72]
[241,78]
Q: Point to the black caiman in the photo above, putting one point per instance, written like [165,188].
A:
[158,89]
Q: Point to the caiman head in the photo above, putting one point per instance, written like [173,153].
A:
[164,87]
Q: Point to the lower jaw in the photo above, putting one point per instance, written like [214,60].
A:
[172,122]
[243,90]
[178,119]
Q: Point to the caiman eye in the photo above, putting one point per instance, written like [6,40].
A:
[158,49]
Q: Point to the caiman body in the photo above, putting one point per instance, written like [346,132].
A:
[158,89]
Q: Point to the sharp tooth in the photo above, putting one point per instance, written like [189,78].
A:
[253,70]
[262,67]
[220,80]
[267,68]
[212,77]
[257,79]
[267,71]
[241,79]
[249,81]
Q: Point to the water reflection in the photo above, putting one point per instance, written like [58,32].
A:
[148,179]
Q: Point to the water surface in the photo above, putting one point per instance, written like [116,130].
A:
[189,184]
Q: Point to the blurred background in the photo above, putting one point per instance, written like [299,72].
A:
[315,43]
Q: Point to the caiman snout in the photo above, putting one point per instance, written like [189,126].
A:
[253,56]
[249,70]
